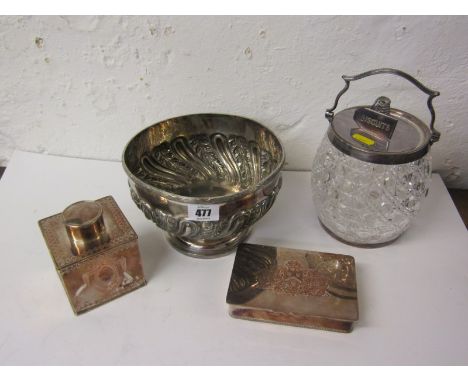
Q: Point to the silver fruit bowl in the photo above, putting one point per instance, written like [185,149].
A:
[204,178]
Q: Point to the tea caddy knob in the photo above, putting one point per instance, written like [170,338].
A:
[85,226]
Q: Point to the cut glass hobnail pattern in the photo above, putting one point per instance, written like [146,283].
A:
[365,203]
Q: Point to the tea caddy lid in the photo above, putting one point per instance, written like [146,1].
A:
[378,133]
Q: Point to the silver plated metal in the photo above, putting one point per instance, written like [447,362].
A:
[294,287]
[409,142]
[413,137]
[228,163]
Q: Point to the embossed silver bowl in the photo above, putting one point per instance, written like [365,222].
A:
[204,178]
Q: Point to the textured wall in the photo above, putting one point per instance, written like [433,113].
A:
[83,86]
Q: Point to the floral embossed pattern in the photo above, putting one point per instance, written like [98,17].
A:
[222,163]
[187,165]
[294,279]
[294,287]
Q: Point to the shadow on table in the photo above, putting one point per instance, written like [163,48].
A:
[154,250]
[365,309]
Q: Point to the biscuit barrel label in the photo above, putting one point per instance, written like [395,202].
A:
[375,122]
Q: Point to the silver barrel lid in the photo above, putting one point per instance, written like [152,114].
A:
[378,133]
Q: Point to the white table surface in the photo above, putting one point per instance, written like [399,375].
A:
[413,294]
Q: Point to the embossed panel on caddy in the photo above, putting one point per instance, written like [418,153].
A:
[95,252]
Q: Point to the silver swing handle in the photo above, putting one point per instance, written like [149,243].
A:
[435,135]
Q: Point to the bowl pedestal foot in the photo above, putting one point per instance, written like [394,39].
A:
[207,249]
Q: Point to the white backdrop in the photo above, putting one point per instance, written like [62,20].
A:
[82,86]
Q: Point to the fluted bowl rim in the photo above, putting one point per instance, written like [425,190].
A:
[205,199]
